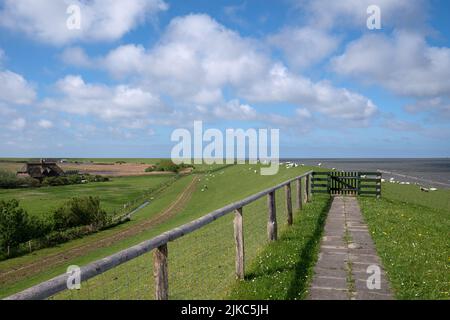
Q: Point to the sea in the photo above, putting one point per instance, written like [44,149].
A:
[433,172]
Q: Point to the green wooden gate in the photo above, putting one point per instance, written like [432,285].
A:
[347,183]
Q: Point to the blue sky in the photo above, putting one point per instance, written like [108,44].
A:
[137,70]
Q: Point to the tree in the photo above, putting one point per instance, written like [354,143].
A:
[14,224]
[80,212]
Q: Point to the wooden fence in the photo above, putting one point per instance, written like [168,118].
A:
[58,284]
[347,183]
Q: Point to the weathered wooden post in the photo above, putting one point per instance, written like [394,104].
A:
[161,273]
[288,199]
[239,240]
[272,223]
[299,197]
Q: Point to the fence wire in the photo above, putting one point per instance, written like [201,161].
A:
[201,264]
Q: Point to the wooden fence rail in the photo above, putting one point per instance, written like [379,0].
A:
[159,243]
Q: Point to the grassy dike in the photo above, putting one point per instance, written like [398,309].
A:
[213,246]
[411,232]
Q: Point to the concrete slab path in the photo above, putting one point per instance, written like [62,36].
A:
[348,267]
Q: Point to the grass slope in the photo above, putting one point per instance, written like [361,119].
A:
[410,229]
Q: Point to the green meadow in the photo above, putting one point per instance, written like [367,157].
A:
[113,194]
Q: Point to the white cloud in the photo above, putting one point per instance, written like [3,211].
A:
[17,124]
[234,110]
[305,46]
[197,58]
[108,103]
[403,63]
[45,124]
[101,20]
[282,86]
[15,89]
[76,56]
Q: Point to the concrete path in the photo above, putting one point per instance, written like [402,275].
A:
[348,262]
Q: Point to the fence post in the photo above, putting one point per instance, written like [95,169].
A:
[272,223]
[288,199]
[299,200]
[239,241]
[161,273]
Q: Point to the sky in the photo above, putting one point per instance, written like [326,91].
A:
[131,72]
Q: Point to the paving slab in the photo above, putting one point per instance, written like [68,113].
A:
[348,258]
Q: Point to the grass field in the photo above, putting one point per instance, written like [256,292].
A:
[411,232]
[222,187]
[113,194]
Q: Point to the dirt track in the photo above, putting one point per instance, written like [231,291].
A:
[26,270]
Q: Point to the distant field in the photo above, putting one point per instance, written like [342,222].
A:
[411,232]
[113,194]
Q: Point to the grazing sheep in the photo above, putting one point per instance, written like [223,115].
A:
[424,189]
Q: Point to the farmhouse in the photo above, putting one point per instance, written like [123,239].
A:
[41,169]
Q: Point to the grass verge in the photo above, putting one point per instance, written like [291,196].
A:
[412,240]
[284,268]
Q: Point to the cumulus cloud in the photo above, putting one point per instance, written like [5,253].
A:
[15,89]
[282,86]
[197,58]
[101,20]
[304,46]
[403,63]
[194,58]
[109,103]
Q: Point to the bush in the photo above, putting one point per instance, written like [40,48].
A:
[9,180]
[80,212]
[72,179]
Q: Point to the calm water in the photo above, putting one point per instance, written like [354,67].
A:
[428,172]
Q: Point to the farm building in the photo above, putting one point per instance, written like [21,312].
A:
[41,169]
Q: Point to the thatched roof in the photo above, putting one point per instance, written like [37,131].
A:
[41,169]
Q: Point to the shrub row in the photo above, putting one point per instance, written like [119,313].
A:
[168,166]
[75,218]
